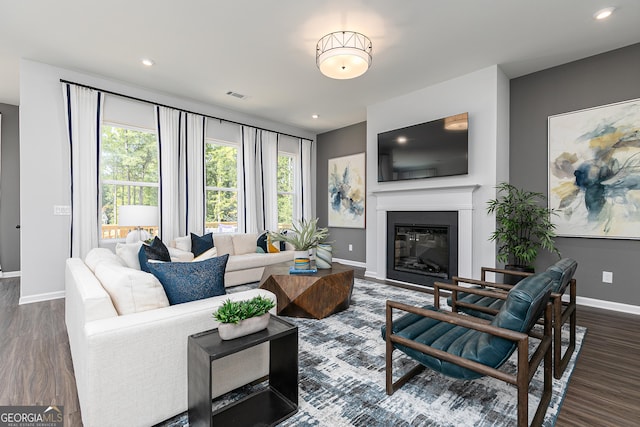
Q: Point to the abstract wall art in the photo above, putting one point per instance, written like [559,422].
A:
[347,191]
[594,171]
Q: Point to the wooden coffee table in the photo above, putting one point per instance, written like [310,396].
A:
[315,295]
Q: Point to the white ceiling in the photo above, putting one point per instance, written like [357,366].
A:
[266,49]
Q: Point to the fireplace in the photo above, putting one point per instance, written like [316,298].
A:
[422,247]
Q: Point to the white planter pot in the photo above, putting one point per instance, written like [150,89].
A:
[229,331]
[302,260]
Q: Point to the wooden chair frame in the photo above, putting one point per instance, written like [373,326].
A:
[526,367]
[562,310]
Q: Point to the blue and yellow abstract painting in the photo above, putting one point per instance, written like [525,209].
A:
[347,191]
[594,171]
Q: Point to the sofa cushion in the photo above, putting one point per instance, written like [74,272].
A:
[98,255]
[244,243]
[190,281]
[155,251]
[200,244]
[183,243]
[224,243]
[129,253]
[131,290]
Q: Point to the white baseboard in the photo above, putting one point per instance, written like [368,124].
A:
[608,305]
[349,262]
[41,297]
[8,274]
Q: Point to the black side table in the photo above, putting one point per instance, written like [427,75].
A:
[269,406]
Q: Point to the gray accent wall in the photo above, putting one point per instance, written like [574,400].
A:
[599,80]
[337,143]
[10,190]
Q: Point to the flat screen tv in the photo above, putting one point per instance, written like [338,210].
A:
[426,150]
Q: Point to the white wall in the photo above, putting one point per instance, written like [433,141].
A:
[44,168]
[484,94]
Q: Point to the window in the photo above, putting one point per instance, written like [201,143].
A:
[286,163]
[128,175]
[221,186]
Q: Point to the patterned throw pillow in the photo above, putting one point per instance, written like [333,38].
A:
[262,242]
[155,251]
[191,281]
[272,247]
[200,244]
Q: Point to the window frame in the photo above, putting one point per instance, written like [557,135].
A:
[236,190]
[102,182]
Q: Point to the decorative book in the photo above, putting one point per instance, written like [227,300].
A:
[293,270]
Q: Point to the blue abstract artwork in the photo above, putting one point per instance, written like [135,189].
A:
[594,171]
[347,191]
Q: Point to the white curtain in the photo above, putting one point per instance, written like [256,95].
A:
[83,108]
[267,181]
[259,208]
[171,128]
[0,175]
[195,175]
[303,208]
[247,205]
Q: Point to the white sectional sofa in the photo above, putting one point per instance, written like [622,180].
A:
[244,265]
[131,369]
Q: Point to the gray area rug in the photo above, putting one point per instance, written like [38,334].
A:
[342,376]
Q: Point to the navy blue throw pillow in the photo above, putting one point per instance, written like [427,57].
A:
[156,251]
[262,242]
[191,281]
[201,244]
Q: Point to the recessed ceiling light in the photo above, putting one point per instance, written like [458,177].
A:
[314,116]
[147,62]
[402,139]
[604,13]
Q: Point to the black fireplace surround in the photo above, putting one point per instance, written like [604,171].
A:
[422,247]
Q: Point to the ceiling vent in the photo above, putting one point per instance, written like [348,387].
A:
[237,95]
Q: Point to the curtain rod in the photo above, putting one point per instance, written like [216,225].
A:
[180,109]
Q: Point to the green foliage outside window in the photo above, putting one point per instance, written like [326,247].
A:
[222,182]
[285,191]
[128,156]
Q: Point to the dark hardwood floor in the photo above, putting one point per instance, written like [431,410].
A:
[36,369]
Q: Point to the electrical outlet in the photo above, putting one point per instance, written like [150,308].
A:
[607,277]
[61,210]
[350,247]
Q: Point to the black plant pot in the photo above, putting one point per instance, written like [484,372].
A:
[512,279]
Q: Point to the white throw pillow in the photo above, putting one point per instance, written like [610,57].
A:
[245,243]
[131,291]
[178,255]
[183,243]
[98,255]
[206,254]
[129,253]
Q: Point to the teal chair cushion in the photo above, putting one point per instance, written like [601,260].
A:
[562,272]
[522,308]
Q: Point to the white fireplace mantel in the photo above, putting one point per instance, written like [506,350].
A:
[456,198]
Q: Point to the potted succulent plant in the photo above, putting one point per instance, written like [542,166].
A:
[240,318]
[304,236]
[523,226]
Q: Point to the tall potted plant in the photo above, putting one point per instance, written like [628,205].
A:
[523,226]
[304,236]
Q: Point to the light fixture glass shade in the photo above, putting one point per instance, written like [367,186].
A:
[343,54]
[457,122]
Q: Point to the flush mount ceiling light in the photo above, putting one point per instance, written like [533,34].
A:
[147,62]
[603,13]
[343,54]
[457,122]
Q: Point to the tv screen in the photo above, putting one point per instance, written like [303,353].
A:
[426,150]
